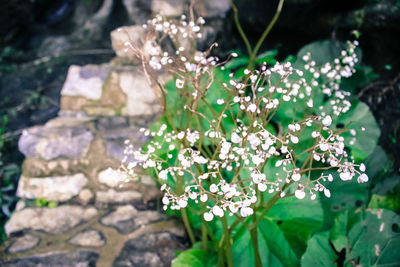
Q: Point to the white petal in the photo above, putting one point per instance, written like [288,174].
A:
[300,194]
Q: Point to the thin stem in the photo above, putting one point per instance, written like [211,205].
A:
[227,242]
[240,29]
[187,226]
[254,240]
[253,55]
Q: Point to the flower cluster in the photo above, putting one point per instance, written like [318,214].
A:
[231,171]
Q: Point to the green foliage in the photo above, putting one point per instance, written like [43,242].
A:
[333,231]
[363,237]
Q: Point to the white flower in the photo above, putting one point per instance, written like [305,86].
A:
[296,177]
[294,139]
[363,178]
[218,211]
[234,207]
[324,146]
[208,216]
[345,176]
[362,167]
[179,83]
[235,138]
[327,193]
[252,108]
[262,187]
[300,194]
[213,188]
[220,101]
[165,200]
[163,175]
[182,203]
[327,121]
[203,198]
[246,211]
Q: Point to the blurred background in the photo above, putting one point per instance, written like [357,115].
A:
[40,39]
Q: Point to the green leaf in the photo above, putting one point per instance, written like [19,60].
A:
[319,252]
[339,232]
[267,57]
[237,62]
[298,220]
[367,130]
[272,235]
[275,250]
[321,51]
[195,258]
[376,238]
[347,195]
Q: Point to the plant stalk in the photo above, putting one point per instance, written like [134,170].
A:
[227,242]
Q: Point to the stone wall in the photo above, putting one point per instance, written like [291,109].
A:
[89,213]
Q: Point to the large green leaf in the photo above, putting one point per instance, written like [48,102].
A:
[375,240]
[319,252]
[275,250]
[321,51]
[195,258]
[367,130]
[346,195]
[298,220]
[277,243]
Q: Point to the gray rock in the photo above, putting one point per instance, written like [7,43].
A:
[88,238]
[133,34]
[75,258]
[139,11]
[107,123]
[55,142]
[169,8]
[86,81]
[53,45]
[114,197]
[115,140]
[150,249]
[52,220]
[127,219]
[212,8]
[23,243]
[51,188]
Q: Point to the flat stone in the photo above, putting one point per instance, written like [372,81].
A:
[169,8]
[86,81]
[150,249]
[114,197]
[107,123]
[52,220]
[51,188]
[34,167]
[134,34]
[23,243]
[68,121]
[127,219]
[55,142]
[115,140]
[112,178]
[74,258]
[88,238]
[141,98]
